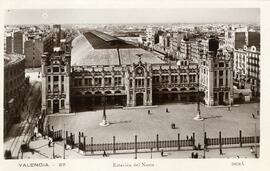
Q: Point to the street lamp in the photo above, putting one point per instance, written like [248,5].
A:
[104,118]
[198,117]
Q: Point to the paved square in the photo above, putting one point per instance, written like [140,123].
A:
[125,124]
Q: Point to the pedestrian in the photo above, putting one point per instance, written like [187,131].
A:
[187,137]
[229,108]
[251,149]
[167,111]
[199,146]
[35,132]
[220,151]
[149,112]
[192,155]
[196,155]
[50,142]
[162,153]
[104,154]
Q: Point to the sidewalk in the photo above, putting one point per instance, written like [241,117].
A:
[40,150]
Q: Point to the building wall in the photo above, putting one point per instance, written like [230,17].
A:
[254,40]
[9,44]
[240,40]
[55,82]
[14,91]
[33,51]
[18,41]
[216,78]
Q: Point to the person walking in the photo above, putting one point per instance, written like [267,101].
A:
[162,153]
[50,142]
[104,154]
[192,155]
[167,110]
[149,112]
[35,132]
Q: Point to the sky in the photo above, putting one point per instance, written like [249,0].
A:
[132,15]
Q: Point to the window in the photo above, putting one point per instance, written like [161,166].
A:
[78,82]
[55,69]
[221,82]
[130,83]
[165,79]
[155,79]
[55,88]
[148,82]
[49,88]
[88,81]
[62,78]
[221,64]
[49,103]
[98,81]
[55,78]
[62,69]
[62,104]
[220,73]
[49,78]
[215,82]
[62,87]
[117,80]
[174,78]
[49,70]
[226,95]
[108,81]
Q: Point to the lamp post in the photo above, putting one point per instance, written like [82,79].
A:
[199,116]
[204,145]
[64,152]
[53,151]
[104,117]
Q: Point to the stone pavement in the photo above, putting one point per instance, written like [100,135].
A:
[125,124]
[40,150]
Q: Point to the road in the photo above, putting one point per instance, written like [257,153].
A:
[20,132]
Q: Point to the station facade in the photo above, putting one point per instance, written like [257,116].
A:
[103,69]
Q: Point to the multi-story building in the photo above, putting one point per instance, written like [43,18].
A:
[216,77]
[105,67]
[254,40]
[18,42]
[247,69]
[9,44]
[57,34]
[14,87]
[235,39]
[185,49]
[55,71]
[34,49]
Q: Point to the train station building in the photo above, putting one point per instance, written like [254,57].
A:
[98,67]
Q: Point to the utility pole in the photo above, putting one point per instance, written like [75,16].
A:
[64,152]
[53,151]
[204,145]
[255,141]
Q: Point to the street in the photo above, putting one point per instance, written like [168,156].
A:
[21,132]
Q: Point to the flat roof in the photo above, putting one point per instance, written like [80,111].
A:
[12,58]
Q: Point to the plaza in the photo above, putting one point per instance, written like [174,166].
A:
[128,122]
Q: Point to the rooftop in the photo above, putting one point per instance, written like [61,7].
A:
[96,48]
[12,58]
